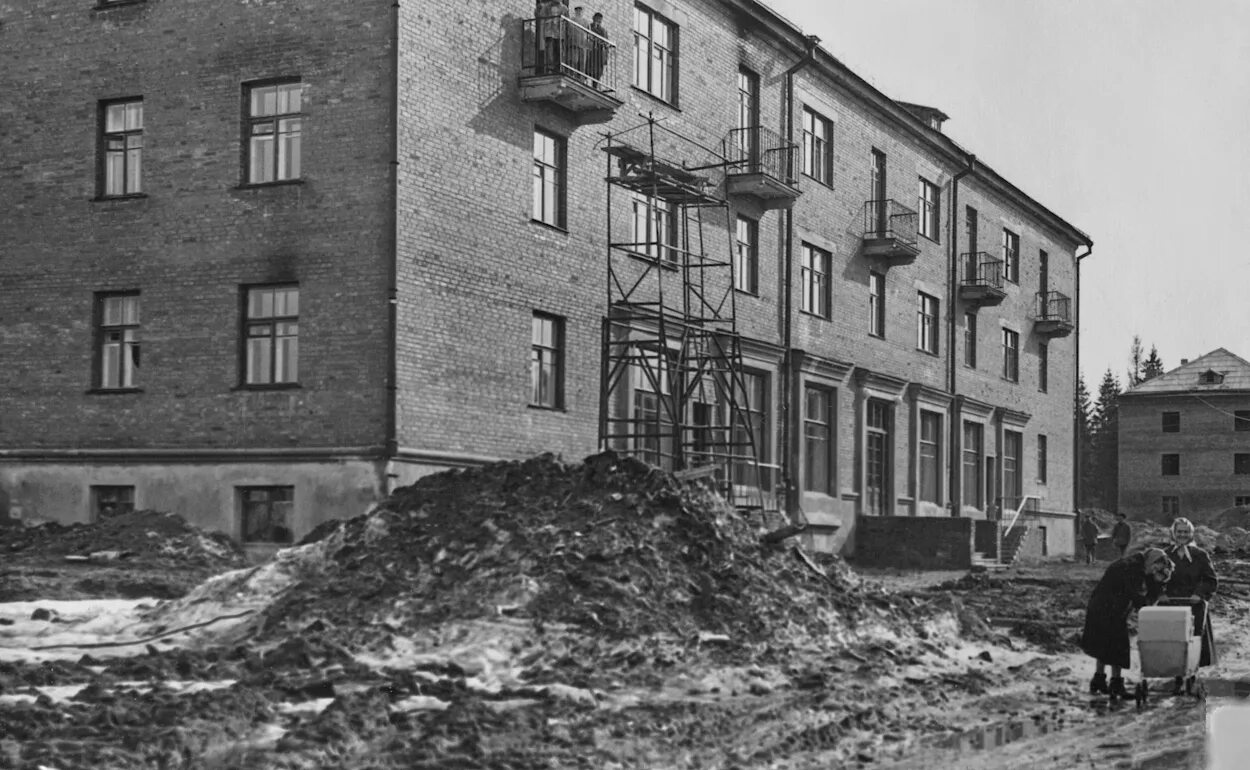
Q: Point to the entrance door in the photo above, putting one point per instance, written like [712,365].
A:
[878,191]
[876,474]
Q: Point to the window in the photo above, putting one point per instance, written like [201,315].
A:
[817,147]
[747,256]
[930,209]
[818,440]
[267,514]
[1011,355]
[1241,501]
[927,323]
[109,501]
[930,457]
[1241,419]
[876,304]
[753,400]
[121,148]
[878,440]
[970,340]
[271,328]
[1241,464]
[1171,422]
[547,361]
[273,132]
[1171,505]
[1043,366]
[1011,256]
[655,54]
[1013,475]
[653,228]
[549,170]
[1041,459]
[814,273]
[1210,377]
[1171,465]
[973,433]
[117,359]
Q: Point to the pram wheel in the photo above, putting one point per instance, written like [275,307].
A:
[1141,693]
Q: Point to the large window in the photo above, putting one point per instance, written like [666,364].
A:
[1011,256]
[117,340]
[930,461]
[1011,355]
[818,440]
[876,304]
[549,175]
[267,514]
[747,256]
[1042,470]
[878,438]
[1170,465]
[121,147]
[1241,464]
[111,500]
[970,340]
[274,124]
[653,423]
[271,331]
[547,361]
[814,278]
[655,54]
[753,400]
[1013,487]
[817,146]
[1171,422]
[927,323]
[930,209]
[1043,366]
[653,228]
[972,448]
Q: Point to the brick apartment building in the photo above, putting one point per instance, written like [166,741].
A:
[360,242]
[1184,440]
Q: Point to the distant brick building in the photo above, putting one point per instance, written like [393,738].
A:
[1185,440]
[262,261]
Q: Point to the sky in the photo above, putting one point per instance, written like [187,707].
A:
[1128,118]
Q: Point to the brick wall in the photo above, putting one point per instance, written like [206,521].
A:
[914,543]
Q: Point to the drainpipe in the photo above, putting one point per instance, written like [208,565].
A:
[1076,415]
[788,448]
[952,364]
[390,447]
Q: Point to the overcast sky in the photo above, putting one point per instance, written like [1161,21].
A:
[1128,118]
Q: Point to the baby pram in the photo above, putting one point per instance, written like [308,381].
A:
[1169,643]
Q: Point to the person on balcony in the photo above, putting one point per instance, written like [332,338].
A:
[550,16]
[597,56]
[1121,533]
[1194,582]
[1128,584]
[576,42]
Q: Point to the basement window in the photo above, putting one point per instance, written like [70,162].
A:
[267,514]
[112,500]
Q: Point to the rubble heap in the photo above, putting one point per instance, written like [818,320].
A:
[613,546]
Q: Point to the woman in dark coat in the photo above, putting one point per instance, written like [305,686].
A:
[1129,583]
[1193,578]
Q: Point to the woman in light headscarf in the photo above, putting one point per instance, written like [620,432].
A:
[1128,584]
[1193,578]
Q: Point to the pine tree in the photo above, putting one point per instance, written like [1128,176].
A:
[1105,440]
[1135,363]
[1153,366]
[1085,442]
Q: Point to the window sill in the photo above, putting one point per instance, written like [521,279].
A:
[662,263]
[541,408]
[113,391]
[275,386]
[653,97]
[932,353]
[817,316]
[821,182]
[262,185]
[549,226]
[102,5]
[876,336]
[1013,382]
[127,197]
[930,238]
[747,292]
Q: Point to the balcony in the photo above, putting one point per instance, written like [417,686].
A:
[890,232]
[981,279]
[566,64]
[761,166]
[1054,314]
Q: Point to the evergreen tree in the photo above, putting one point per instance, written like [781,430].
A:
[1153,365]
[1085,442]
[1135,360]
[1105,440]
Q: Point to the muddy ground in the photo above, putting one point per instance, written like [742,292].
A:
[543,615]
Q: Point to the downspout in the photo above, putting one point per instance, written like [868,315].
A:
[390,447]
[1076,384]
[789,449]
[952,364]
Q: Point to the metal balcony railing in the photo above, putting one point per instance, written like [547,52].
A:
[1054,306]
[760,150]
[980,269]
[557,45]
[889,219]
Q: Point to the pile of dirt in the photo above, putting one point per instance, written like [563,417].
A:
[137,536]
[612,546]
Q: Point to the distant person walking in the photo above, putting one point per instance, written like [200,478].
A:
[1121,533]
[1089,536]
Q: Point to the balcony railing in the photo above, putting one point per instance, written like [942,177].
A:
[1054,314]
[981,278]
[762,164]
[890,231]
[566,63]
